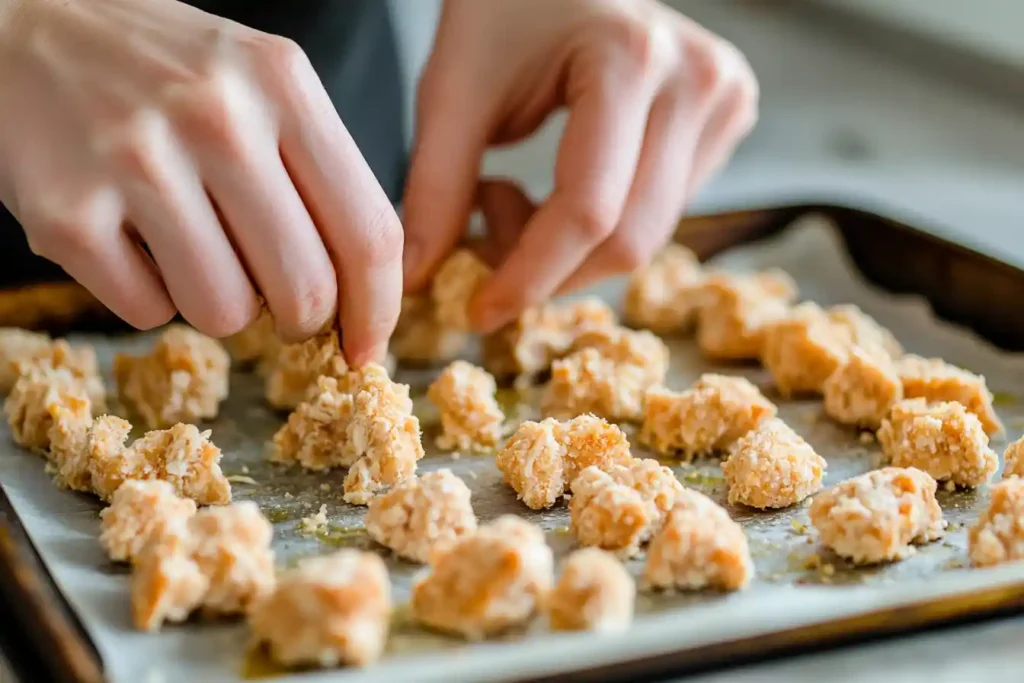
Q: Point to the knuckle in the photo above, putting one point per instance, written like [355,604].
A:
[309,308]
[382,239]
[640,43]
[282,59]
[210,112]
[706,69]
[628,254]
[136,146]
[594,220]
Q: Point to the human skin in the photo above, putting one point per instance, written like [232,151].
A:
[127,123]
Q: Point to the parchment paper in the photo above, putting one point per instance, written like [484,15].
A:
[797,582]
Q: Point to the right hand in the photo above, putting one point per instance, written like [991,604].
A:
[127,123]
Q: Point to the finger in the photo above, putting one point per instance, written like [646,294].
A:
[658,194]
[354,217]
[596,161]
[166,201]
[451,138]
[259,206]
[506,210]
[89,243]
[734,116]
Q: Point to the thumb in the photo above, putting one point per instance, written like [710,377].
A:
[451,137]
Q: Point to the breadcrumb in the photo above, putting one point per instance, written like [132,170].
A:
[363,421]
[137,509]
[36,398]
[314,523]
[862,389]
[541,459]
[735,309]
[593,593]
[936,380]
[79,360]
[487,582]
[772,467]
[471,419]
[875,517]
[942,439]
[454,285]
[69,444]
[421,516]
[542,335]
[181,455]
[256,345]
[664,295]
[16,346]
[698,547]
[219,561]
[1013,459]
[706,418]
[420,338]
[622,506]
[864,331]
[293,374]
[998,535]
[802,349]
[183,379]
[327,611]
[608,376]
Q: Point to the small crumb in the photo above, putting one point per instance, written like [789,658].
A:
[866,438]
[812,561]
[456,455]
[245,469]
[473,474]
[288,494]
[325,486]
[314,523]
[950,486]
[828,569]
[241,479]
[798,527]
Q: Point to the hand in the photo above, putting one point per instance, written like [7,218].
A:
[656,104]
[129,123]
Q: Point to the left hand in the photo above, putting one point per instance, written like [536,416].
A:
[656,105]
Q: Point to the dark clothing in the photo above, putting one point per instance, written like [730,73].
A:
[351,44]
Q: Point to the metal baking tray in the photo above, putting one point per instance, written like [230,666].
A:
[802,599]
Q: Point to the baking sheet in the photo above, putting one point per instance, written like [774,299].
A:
[797,583]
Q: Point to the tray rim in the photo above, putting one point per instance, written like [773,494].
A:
[64,651]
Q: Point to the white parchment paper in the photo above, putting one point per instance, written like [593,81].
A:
[64,526]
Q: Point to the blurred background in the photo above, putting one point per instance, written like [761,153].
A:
[912,107]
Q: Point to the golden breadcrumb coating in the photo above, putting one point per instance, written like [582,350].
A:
[541,459]
[771,466]
[487,581]
[735,309]
[181,455]
[293,374]
[256,345]
[69,444]
[79,360]
[137,509]
[802,349]
[706,418]
[936,380]
[183,379]
[316,433]
[863,330]
[219,560]
[593,593]
[327,611]
[421,515]
[875,517]
[384,432]
[542,335]
[863,389]
[1013,459]
[664,295]
[607,376]
[166,584]
[608,514]
[622,506]
[16,346]
[35,399]
[998,535]
[698,547]
[942,439]
[454,285]
[471,419]
[420,338]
